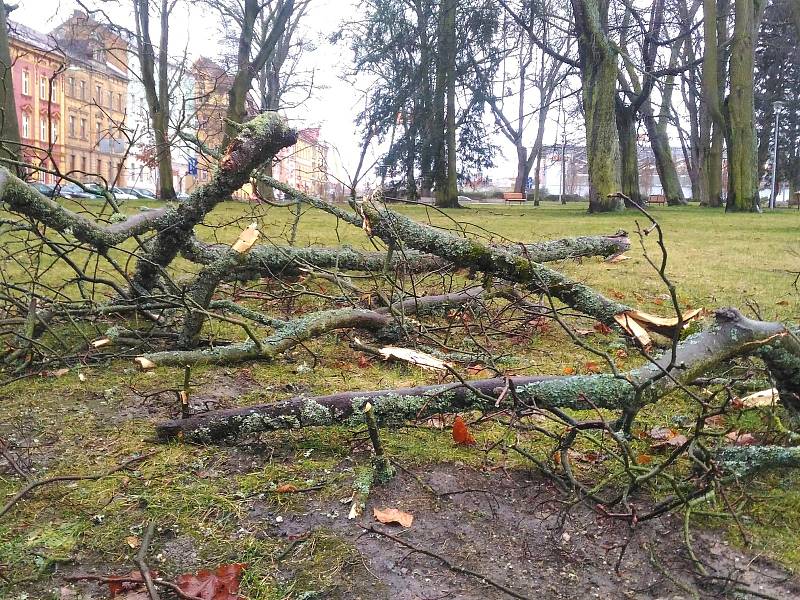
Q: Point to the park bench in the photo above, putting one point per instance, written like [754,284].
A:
[656,199]
[513,196]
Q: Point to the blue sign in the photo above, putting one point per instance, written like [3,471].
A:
[192,166]
[529,183]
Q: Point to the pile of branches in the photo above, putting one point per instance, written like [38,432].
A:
[125,299]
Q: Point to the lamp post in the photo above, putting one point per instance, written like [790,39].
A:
[773,197]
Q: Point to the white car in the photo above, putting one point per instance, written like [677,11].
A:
[122,195]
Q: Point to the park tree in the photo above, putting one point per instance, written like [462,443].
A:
[9,126]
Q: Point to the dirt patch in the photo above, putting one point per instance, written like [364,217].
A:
[520,532]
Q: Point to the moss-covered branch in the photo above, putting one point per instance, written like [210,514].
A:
[731,335]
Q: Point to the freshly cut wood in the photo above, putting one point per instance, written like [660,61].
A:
[665,322]
[247,238]
[616,258]
[101,342]
[768,397]
[145,364]
[425,361]
[636,331]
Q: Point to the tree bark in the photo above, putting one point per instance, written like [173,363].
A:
[9,126]
[713,119]
[742,153]
[444,170]
[732,335]
[626,127]
[598,66]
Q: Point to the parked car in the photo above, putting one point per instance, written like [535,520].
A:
[182,196]
[45,189]
[121,194]
[141,193]
[75,191]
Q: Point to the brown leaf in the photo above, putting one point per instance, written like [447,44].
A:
[644,459]
[742,439]
[601,328]
[662,433]
[286,488]
[461,434]
[782,303]
[133,541]
[592,366]
[220,584]
[363,361]
[392,515]
[476,369]
[673,442]
[569,370]
[716,421]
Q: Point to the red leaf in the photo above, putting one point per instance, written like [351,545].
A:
[363,361]
[592,367]
[222,584]
[286,488]
[461,434]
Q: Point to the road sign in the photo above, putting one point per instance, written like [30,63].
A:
[192,166]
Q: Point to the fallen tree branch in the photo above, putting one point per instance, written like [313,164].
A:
[731,335]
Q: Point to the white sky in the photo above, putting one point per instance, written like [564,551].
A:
[335,101]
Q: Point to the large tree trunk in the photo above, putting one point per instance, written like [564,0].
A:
[713,121]
[598,66]
[629,157]
[9,126]
[444,174]
[742,151]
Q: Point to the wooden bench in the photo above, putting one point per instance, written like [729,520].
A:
[513,196]
[656,199]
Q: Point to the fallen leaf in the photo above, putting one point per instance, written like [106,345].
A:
[392,515]
[476,369]
[716,421]
[742,439]
[133,589]
[286,488]
[59,372]
[461,434]
[583,332]
[662,433]
[644,459]
[672,442]
[568,371]
[220,584]
[363,361]
[420,359]
[592,366]
[618,295]
[133,541]
[601,328]
[246,239]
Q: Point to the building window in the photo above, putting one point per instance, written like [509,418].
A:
[71,126]
[110,99]
[43,88]
[82,86]
[83,164]
[83,129]
[26,125]
[99,166]
[71,84]
[119,102]
[98,94]
[54,131]
[97,128]
[43,130]
[71,162]
[26,82]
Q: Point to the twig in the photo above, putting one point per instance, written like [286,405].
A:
[40,482]
[143,568]
[453,567]
[106,579]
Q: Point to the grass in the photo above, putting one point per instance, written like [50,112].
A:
[203,498]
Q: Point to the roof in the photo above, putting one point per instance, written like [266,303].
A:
[28,35]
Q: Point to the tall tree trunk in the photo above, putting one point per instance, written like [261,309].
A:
[444,108]
[156,92]
[629,159]
[712,135]
[522,168]
[742,152]
[9,126]
[598,67]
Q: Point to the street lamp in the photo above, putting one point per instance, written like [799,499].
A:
[776,109]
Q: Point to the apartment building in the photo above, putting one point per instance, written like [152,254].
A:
[95,97]
[37,74]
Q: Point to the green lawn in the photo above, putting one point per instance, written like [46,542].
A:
[204,493]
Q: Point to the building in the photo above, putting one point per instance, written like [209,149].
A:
[37,74]
[95,98]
